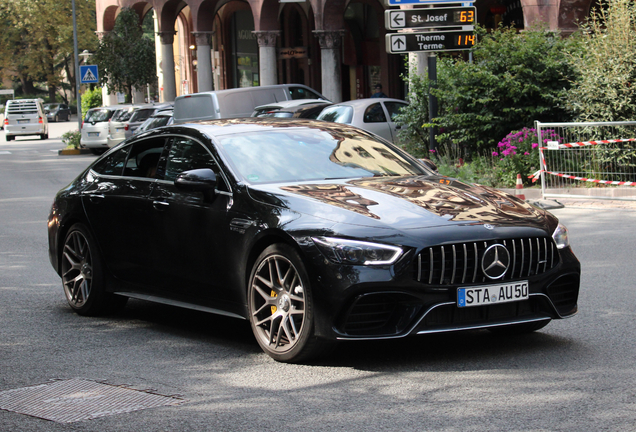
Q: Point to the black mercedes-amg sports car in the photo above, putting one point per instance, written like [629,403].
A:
[313,231]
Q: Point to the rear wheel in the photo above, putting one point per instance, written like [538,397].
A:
[57,118]
[82,275]
[281,306]
[44,136]
[97,151]
[9,137]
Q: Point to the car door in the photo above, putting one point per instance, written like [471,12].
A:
[375,120]
[119,210]
[393,109]
[190,228]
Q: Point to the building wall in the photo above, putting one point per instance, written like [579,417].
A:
[297,28]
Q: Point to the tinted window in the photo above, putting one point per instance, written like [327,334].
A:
[302,93]
[186,154]
[338,114]
[123,115]
[374,114]
[394,108]
[112,164]
[144,158]
[154,122]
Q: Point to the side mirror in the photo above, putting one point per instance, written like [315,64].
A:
[428,164]
[198,180]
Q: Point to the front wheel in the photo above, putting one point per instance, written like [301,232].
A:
[281,306]
[82,275]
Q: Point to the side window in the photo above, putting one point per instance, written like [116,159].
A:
[394,109]
[302,93]
[185,155]
[112,164]
[374,114]
[144,158]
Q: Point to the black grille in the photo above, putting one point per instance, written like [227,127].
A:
[460,263]
[380,314]
[564,293]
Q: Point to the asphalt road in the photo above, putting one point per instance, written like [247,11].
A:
[574,375]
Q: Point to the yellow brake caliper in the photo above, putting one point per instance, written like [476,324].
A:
[274,295]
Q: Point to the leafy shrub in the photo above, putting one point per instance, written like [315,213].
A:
[515,79]
[91,99]
[605,88]
[72,138]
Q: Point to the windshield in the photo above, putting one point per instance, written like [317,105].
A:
[142,115]
[303,155]
[338,114]
[98,115]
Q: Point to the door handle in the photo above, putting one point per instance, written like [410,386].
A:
[160,205]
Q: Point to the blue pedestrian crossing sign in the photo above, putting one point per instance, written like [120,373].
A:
[88,74]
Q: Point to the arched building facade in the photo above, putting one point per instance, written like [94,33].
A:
[334,46]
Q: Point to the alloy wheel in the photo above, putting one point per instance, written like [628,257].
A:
[277,304]
[77,269]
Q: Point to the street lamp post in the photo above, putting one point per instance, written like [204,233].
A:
[77,75]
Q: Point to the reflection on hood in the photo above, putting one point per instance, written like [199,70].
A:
[449,199]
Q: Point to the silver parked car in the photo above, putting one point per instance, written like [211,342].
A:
[142,114]
[118,124]
[375,115]
[158,119]
[57,112]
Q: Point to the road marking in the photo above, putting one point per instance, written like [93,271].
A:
[5,152]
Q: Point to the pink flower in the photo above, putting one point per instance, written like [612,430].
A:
[526,154]
[495,154]
[535,145]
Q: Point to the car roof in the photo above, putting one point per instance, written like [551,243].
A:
[367,101]
[291,103]
[217,128]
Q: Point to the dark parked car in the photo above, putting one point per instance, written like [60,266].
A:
[299,108]
[57,112]
[312,231]
[143,114]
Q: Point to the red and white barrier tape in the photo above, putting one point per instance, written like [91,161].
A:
[588,143]
[536,175]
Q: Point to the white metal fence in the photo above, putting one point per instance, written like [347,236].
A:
[587,160]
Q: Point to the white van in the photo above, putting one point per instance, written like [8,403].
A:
[25,117]
[240,102]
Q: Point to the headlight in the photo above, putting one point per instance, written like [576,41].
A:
[560,236]
[343,251]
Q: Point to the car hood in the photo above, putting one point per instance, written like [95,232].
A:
[401,202]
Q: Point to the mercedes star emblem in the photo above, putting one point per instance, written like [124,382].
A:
[495,261]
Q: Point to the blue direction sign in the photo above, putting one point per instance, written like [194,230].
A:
[420,2]
[88,74]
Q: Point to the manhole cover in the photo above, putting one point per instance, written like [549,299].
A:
[76,399]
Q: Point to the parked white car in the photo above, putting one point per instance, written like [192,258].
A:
[95,128]
[375,115]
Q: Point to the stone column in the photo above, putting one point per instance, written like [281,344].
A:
[330,44]
[267,61]
[167,65]
[108,98]
[204,60]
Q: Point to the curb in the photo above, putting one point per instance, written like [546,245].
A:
[73,152]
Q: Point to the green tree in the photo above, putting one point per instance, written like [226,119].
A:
[605,89]
[125,57]
[514,79]
[36,42]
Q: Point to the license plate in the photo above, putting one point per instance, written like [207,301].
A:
[492,294]
[23,121]
[93,134]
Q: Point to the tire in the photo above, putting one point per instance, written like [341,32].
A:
[97,151]
[281,306]
[9,137]
[44,136]
[517,329]
[57,118]
[83,275]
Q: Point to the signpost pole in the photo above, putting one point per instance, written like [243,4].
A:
[77,72]
[432,100]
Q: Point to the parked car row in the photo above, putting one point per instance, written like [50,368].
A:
[105,127]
